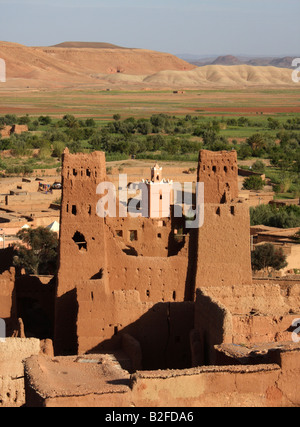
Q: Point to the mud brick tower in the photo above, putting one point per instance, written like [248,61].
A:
[139,275]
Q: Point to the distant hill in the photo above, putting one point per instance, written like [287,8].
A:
[104,67]
[88,45]
[285,62]
[63,65]
[226,60]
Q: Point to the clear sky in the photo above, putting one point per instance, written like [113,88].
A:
[200,27]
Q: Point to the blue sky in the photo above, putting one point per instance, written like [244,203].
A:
[200,27]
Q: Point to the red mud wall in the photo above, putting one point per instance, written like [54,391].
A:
[224,246]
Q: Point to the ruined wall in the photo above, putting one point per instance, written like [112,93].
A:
[12,353]
[275,385]
[261,312]
[9,130]
[18,129]
[233,386]
[262,385]
[219,173]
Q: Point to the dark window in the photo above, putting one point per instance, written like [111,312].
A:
[74,210]
[80,241]
[133,235]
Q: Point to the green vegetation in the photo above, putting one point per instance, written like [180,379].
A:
[268,258]
[269,215]
[39,252]
[254,183]
[162,137]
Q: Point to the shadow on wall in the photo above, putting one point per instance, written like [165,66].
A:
[162,334]
[66,314]
[6,259]
[35,302]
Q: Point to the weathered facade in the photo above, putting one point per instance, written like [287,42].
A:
[118,272]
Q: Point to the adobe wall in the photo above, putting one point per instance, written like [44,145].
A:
[30,202]
[140,262]
[161,329]
[18,129]
[223,386]
[135,265]
[219,173]
[260,313]
[260,385]
[224,246]
[5,132]
[12,353]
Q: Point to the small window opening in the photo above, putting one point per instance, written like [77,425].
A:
[225,169]
[214,168]
[75,172]
[174,296]
[218,211]
[148,294]
[232,210]
[88,173]
[80,241]
[116,330]
[133,235]
[159,235]
[74,210]
[119,233]
[89,209]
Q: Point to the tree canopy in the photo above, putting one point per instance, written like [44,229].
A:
[38,252]
[267,257]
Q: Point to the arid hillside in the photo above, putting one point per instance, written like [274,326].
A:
[65,65]
[75,65]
